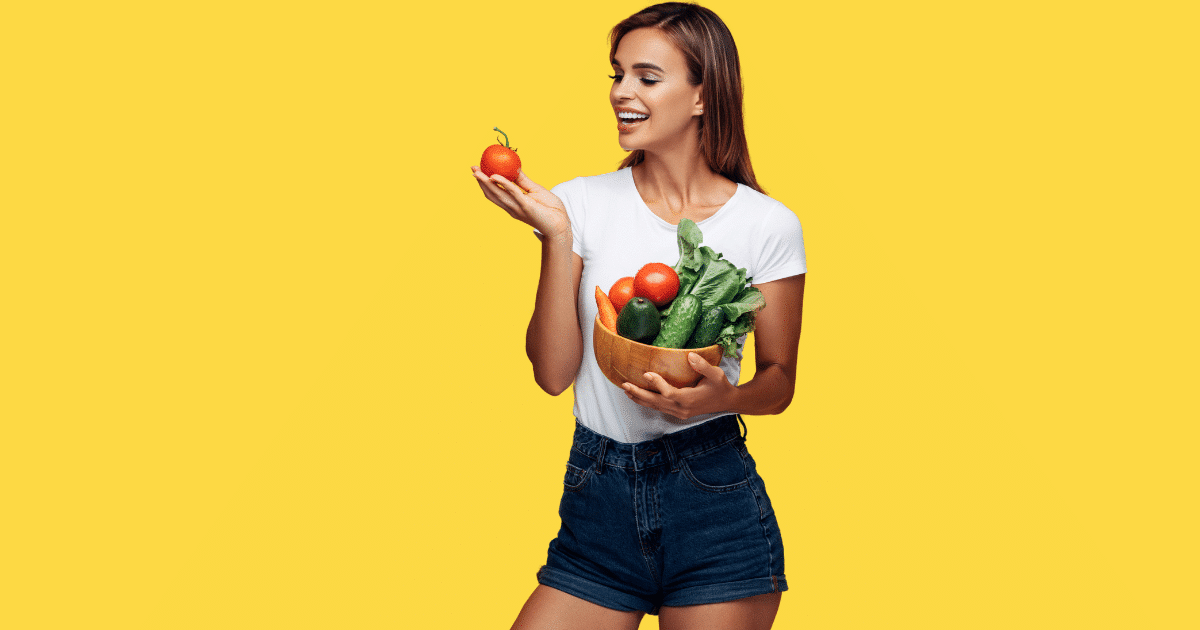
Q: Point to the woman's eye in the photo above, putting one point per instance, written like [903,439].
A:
[618,77]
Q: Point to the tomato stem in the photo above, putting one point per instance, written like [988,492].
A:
[505,138]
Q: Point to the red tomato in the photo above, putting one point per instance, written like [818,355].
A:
[500,158]
[621,292]
[656,282]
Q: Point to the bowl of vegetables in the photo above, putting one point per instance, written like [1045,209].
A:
[625,360]
[651,322]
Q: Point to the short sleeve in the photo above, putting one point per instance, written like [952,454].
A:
[782,252]
[571,194]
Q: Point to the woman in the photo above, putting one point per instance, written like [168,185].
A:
[662,510]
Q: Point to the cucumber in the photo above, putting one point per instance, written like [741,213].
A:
[708,329]
[685,314]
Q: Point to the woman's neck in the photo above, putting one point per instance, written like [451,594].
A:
[679,188]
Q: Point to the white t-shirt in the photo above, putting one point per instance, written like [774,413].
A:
[615,233]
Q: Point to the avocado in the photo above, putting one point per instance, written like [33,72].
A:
[638,320]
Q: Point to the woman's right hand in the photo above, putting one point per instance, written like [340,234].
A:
[538,208]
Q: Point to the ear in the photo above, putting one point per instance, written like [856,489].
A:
[698,107]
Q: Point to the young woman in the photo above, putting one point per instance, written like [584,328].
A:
[663,511]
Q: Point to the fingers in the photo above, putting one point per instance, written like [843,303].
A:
[641,396]
[651,400]
[659,396]
[704,367]
[492,189]
[539,208]
[528,184]
[683,402]
[510,187]
[505,192]
[660,384]
[489,191]
[502,186]
[485,183]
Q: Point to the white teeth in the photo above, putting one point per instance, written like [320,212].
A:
[632,116]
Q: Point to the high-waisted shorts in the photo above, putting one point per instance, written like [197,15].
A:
[676,521]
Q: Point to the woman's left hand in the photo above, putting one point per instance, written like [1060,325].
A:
[713,393]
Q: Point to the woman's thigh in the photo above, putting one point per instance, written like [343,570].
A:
[549,608]
[749,613]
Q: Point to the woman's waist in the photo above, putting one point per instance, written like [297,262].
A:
[702,436]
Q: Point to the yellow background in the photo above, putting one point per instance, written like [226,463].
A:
[263,364]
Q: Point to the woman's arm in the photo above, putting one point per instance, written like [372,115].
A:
[553,341]
[776,345]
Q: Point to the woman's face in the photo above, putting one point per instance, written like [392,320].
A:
[651,78]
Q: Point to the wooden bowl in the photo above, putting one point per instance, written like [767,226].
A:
[625,360]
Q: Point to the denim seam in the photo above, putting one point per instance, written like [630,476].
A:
[672,458]
[637,521]
[718,489]
[724,596]
[654,502]
[766,536]
[558,579]
[708,450]
[584,453]
[584,476]
[635,465]
[703,487]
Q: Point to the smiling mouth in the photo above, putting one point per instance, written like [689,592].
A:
[626,121]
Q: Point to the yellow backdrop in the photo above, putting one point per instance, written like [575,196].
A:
[263,364]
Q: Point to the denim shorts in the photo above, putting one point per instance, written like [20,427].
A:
[676,521]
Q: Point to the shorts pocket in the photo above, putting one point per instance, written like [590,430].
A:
[579,470]
[719,470]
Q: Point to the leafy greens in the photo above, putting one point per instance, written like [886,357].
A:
[717,282]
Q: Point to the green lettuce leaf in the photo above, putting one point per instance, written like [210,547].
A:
[728,339]
[692,259]
[740,313]
[749,300]
[689,237]
[719,282]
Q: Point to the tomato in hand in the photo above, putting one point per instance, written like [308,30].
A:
[500,159]
[621,292]
[656,282]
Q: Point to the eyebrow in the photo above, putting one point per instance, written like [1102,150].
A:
[640,65]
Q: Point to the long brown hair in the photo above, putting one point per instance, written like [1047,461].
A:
[712,60]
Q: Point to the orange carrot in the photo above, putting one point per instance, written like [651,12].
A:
[608,313]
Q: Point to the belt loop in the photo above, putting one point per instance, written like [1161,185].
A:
[745,431]
[600,464]
[670,453]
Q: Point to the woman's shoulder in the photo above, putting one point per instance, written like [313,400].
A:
[764,208]
[603,182]
[589,199]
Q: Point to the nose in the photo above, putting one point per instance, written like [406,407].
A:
[623,90]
